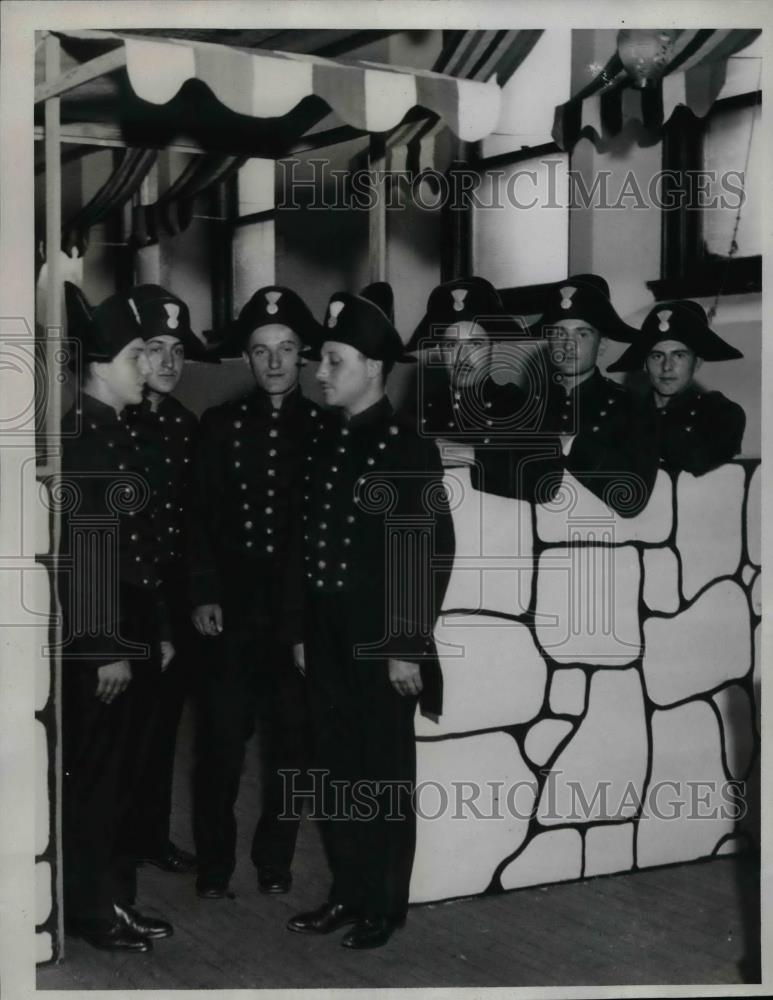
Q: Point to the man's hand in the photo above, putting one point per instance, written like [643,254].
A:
[455,453]
[299,657]
[208,619]
[167,653]
[405,677]
[112,680]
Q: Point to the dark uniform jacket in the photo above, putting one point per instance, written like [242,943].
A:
[167,440]
[364,477]
[613,453]
[245,506]
[514,457]
[108,571]
[696,431]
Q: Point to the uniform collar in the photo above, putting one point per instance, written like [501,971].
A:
[164,404]
[593,383]
[96,410]
[686,398]
[262,401]
[380,410]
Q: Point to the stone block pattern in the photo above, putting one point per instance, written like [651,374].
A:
[613,694]
[589,661]
[36,598]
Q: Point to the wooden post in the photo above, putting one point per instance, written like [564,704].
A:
[377,215]
[53,336]
[53,249]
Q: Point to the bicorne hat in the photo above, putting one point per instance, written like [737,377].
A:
[682,320]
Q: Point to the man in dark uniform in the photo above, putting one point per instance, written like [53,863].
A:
[114,638]
[695,431]
[378,547]
[606,445]
[496,424]
[166,434]
[246,589]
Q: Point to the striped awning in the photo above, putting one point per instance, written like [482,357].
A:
[466,55]
[693,77]
[269,85]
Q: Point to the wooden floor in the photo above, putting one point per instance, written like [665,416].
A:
[690,924]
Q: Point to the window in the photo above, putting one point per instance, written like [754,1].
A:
[707,179]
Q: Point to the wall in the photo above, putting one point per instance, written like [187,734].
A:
[622,243]
[588,662]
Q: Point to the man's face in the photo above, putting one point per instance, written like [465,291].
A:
[574,346]
[272,356]
[165,359]
[124,376]
[465,351]
[345,374]
[671,366]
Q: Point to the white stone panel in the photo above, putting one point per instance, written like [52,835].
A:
[40,519]
[685,813]
[576,514]
[28,599]
[588,604]
[732,846]
[554,856]
[543,738]
[661,580]
[457,855]
[493,563]
[754,518]
[43,670]
[43,949]
[567,691]
[497,680]
[609,849]
[757,595]
[42,892]
[708,531]
[699,649]
[737,727]
[42,815]
[599,775]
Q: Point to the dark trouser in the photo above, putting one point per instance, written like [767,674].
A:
[364,737]
[104,752]
[177,681]
[246,676]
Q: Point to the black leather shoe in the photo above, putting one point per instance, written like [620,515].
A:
[371,932]
[114,937]
[326,918]
[174,859]
[147,927]
[274,880]
[209,889]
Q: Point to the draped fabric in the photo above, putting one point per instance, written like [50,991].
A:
[173,210]
[121,185]
[261,84]
[693,77]
[471,55]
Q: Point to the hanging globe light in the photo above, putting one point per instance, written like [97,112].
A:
[645,53]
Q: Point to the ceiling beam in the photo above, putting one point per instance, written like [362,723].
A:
[72,78]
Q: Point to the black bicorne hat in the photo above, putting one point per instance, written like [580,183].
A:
[164,314]
[465,300]
[270,304]
[380,294]
[584,297]
[359,322]
[101,332]
[682,320]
